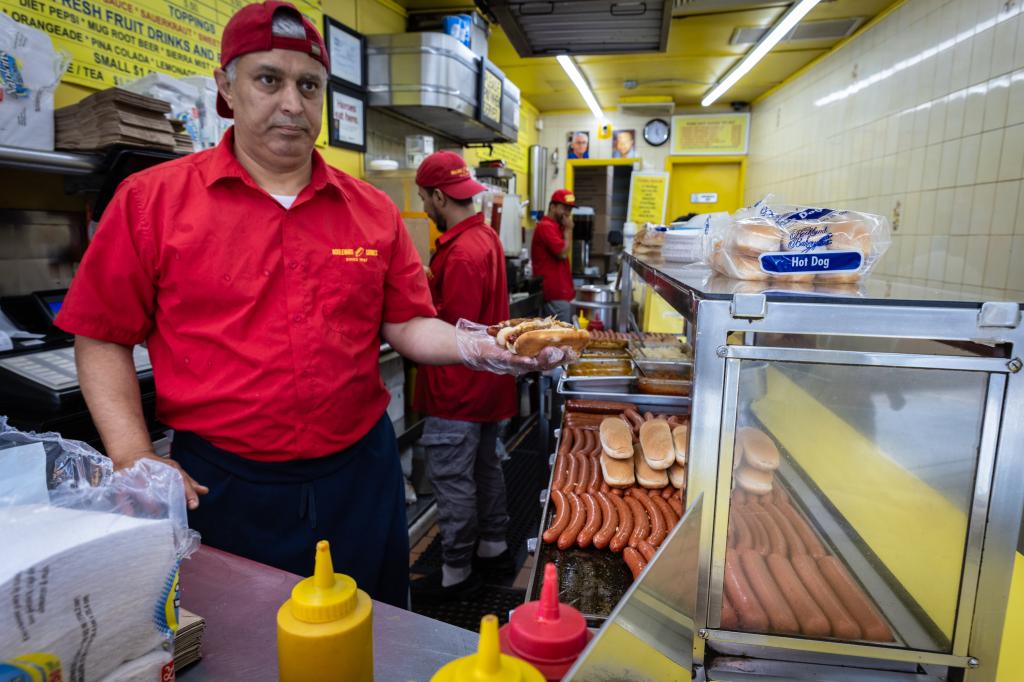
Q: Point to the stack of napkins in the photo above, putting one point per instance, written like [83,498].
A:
[115,117]
[89,588]
[188,640]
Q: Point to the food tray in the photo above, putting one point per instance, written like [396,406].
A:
[668,388]
[665,369]
[622,389]
[591,580]
[597,364]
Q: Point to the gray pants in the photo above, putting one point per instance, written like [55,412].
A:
[561,310]
[464,470]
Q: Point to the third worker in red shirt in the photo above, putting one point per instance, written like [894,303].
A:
[549,252]
[463,406]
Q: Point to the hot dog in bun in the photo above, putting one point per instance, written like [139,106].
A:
[529,336]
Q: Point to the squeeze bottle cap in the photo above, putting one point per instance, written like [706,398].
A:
[545,632]
[325,597]
[488,664]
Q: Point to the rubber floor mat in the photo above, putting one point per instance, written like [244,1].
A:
[467,614]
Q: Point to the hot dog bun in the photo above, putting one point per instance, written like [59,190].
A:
[758,448]
[532,343]
[617,473]
[753,239]
[616,438]
[645,475]
[656,444]
[681,441]
[677,476]
[754,480]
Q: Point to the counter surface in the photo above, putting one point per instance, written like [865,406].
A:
[239,600]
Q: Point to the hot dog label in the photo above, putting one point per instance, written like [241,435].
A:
[782,263]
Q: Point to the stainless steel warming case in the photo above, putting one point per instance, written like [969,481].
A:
[898,412]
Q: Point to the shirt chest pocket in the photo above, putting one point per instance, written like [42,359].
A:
[352,296]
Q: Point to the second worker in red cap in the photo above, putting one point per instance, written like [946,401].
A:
[463,407]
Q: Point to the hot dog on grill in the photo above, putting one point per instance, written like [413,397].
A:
[561,518]
[625,530]
[578,517]
[813,622]
[842,623]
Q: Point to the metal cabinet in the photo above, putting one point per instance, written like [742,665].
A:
[898,414]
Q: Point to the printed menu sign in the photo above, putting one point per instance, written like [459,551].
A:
[116,41]
[710,134]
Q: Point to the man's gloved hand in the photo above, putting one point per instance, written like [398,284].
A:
[480,352]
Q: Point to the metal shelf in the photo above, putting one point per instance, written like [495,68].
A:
[66,163]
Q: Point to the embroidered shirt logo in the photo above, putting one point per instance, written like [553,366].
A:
[357,255]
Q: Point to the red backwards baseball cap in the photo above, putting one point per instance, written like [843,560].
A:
[251,30]
[448,172]
[563,196]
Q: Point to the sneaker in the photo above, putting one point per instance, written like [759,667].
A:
[501,566]
[429,590]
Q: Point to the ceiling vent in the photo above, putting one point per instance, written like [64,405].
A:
[828,29]
[647,106]
[544,28]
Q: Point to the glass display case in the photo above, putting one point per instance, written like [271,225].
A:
[858,456]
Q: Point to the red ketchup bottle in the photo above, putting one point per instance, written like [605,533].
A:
[546,633]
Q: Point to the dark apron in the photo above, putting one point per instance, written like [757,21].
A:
[275,512]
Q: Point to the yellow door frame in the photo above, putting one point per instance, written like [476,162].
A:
[672,161]
[570,165]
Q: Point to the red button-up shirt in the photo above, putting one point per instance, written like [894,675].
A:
[545,253]
[263,324]
[467,281]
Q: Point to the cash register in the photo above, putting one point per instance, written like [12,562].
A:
[39,388]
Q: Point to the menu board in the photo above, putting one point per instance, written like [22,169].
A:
[707,134]
[116,41]
[648,196]
[491,88]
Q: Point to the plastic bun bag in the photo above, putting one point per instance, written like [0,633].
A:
[88,580]
[796,243]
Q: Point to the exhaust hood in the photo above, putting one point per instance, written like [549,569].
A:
[435,81]
[546,28]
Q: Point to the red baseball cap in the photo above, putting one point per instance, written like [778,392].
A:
[447,172]
[250,30]
[563,196]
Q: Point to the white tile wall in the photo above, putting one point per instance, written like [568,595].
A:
[921,115]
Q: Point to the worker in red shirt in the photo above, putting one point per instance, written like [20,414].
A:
[463,407]
[262,281]
[549,253]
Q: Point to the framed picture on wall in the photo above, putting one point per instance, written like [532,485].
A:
[347,50]
[346,117]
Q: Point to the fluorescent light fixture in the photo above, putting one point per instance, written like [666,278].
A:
[577,78]
[783,26]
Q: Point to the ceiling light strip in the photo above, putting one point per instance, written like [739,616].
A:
[783,26]
[577,78]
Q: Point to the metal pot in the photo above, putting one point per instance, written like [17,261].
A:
[597,303]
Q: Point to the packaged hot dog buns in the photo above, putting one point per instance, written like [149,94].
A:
[785,243]
[529,336]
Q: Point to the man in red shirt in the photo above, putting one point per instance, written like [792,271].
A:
[262,281]
[549,253]
[463,407]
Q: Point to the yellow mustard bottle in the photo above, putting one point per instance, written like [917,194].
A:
[325,631]
[488,664]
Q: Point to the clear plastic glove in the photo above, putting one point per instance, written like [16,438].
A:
[480,352]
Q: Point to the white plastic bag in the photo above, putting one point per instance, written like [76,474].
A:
[30,70]
[797,243]
[89,576]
